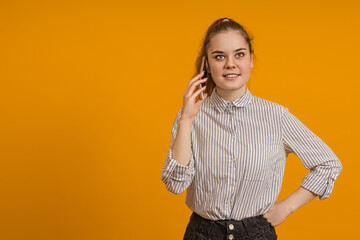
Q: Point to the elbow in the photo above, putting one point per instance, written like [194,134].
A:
[339,168]
[174,188]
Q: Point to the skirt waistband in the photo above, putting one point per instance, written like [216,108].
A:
[245,228]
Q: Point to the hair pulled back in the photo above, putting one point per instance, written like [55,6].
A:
[220,25]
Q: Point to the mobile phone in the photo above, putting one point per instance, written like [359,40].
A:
[202,68]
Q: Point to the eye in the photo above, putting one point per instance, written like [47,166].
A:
[241,54]
[219,56]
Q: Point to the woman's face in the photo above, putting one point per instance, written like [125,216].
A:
[228,53]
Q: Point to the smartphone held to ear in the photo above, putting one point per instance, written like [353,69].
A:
[202,68]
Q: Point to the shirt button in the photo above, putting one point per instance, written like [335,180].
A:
[231,237]
[231,227]
[233,159]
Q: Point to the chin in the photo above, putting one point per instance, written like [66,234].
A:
[231,87]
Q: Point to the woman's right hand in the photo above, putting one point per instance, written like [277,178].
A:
[191,105]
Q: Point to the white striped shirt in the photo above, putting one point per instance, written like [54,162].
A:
[238,156]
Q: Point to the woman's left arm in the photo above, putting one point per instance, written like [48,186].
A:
[316,156]
[281,210]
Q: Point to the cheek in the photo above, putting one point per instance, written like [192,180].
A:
[216,70]
[215,66]
[246,66]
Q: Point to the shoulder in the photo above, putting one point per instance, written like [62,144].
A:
[265,104]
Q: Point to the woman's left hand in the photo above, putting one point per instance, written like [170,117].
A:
[277,213]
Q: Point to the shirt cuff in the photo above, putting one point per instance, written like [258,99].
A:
[179,172]
[319,184]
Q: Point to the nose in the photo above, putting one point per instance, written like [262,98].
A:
[230,62]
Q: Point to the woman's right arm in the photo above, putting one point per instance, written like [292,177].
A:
[181,149]
[178,171]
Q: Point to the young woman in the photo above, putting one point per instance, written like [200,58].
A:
[229,148]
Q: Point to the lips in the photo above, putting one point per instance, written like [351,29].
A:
[231,74]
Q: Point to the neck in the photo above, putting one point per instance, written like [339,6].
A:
[231,95]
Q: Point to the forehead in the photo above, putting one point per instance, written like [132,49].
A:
[227,41]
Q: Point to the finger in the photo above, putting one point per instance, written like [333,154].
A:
[197,77]
[205,96]
[266,216]
[196,93]
[202,100]
[192,81]
[194,86]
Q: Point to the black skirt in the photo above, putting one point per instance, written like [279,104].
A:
[252,228]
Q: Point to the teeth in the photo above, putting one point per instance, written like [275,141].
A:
[232,75]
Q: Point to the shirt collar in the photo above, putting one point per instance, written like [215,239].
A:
[220,104]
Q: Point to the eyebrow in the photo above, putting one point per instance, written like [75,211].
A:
[218,51]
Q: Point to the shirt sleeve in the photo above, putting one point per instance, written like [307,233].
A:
[324,165]
[176,176]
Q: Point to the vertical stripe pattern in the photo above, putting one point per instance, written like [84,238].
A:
[239,150]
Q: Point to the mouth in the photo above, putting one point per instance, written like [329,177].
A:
[231,76]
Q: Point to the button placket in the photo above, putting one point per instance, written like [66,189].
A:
[230,233]
[233,154]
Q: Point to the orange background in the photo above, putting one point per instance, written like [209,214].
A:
[90,90]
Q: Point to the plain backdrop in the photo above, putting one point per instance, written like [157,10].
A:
[90,90]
